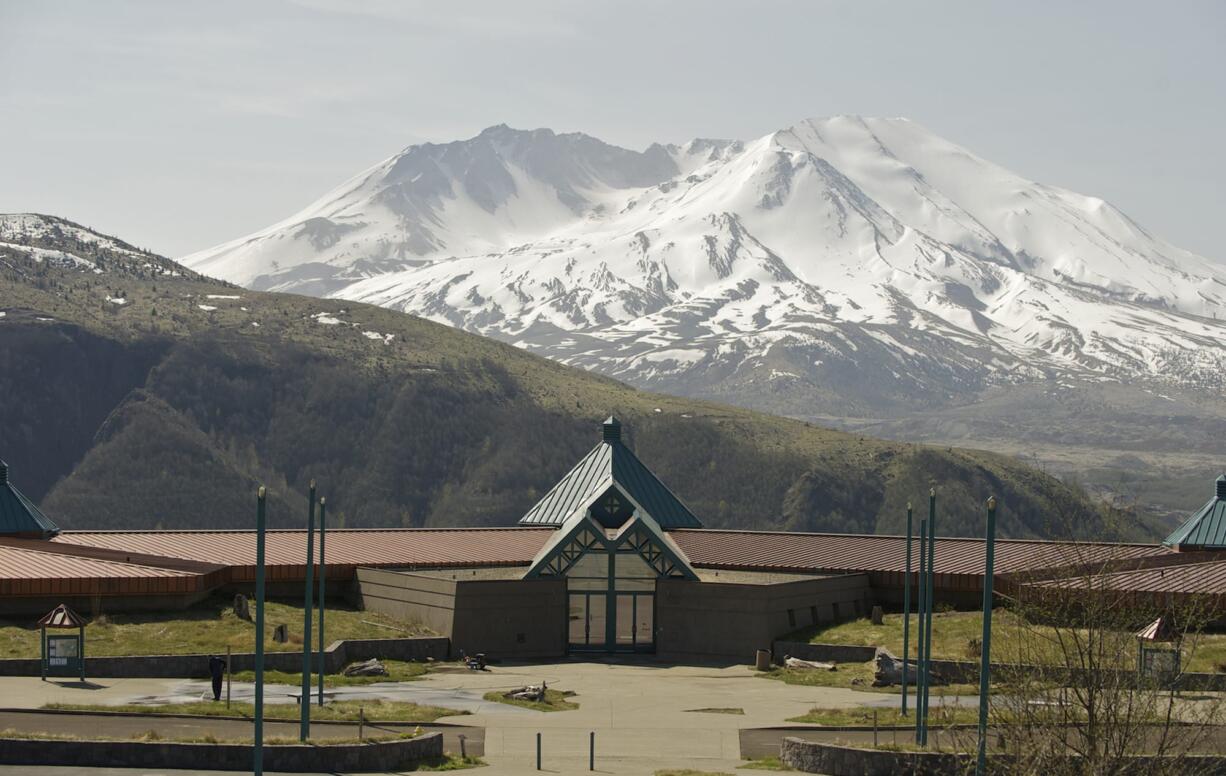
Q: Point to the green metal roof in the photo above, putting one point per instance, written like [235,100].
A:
[1206,528]
[610,462]
[18,515]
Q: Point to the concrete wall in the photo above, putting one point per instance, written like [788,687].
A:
[338,655]
[504,618]
[511,618]
[383,756]
[409,597]
[721,622]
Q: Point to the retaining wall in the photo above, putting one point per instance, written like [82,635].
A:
[838,653]
[384,756]
[338,655]
[836,760]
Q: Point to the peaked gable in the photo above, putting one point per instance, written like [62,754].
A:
[18,515]
[610,461]
[1206,528]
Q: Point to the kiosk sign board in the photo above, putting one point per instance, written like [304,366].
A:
[1160,664]
[64,655]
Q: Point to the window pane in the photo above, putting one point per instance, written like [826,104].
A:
[625,619]
[632,565]
[644,624]
[593,565]
[600,583]
[596,620]
[578,619]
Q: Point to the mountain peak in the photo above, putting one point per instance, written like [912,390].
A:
[850,250]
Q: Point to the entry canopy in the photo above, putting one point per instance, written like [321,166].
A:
[62,617]
[610,470]
[18,515]
[1206,528]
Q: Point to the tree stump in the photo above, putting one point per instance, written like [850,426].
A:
[241,609]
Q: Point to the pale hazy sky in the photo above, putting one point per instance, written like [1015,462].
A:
[179,125]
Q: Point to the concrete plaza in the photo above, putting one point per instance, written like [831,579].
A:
[645,716]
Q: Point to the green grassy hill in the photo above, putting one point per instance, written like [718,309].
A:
[168,407]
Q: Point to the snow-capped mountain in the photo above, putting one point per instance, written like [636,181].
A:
[843,264]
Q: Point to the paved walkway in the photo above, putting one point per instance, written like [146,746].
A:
[645,716]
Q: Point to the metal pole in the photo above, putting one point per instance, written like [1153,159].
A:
[538,751]
[304,701]
[921,588]
[81,656]
[931,599]
[229,658]
[906,614]
[985,656]
[323,581]
[591,751]
[42,636]
[258,766]
[463,747]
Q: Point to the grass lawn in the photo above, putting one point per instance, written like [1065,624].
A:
[397,671]
[718,710]
[153,735]
[347,711]
[1013,639]
[209,627]
[452,762]
[555,700]
[765,764]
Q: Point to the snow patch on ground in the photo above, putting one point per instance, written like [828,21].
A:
[208,308]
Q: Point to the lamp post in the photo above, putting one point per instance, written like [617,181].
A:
[930,597]
[906,613]
[985,656]
[258,765]
[305,700]
[323,582]
[920,665]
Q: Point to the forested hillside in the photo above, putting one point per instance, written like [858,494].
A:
[137,395]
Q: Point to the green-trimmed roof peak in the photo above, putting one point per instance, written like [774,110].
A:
[18,515]
[610,463]
[1206,528]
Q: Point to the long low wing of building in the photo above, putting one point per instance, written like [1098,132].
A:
[609,560]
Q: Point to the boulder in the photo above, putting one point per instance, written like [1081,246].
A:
[370,667]
[796,663]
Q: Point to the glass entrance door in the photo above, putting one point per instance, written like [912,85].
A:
[578,627]
[636,622]
[587,618]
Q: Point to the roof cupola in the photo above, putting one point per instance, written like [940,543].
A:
[611,429]
[1206,528]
